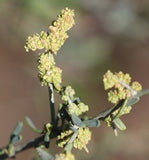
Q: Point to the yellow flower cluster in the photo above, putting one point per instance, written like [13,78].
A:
[77,109]
[121,84]
[37,41]
[80,142]
[58,31]
[84,136]
[126,110]
[48,72]
[68,96]
[55,39]
[64,137]
[69,93]
[65,156]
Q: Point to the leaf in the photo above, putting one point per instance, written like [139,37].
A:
[32,126]
[68,147]
[136,97]
[46,140]
[109,110]
[143,92]
[44,155]
[92,123]
[15,135]
[15,139]
[132,101]
[118,122]
[76,120]
[17,129]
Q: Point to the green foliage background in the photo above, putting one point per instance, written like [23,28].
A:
[107,35]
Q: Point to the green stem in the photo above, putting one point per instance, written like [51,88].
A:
[121,109]
[109,111]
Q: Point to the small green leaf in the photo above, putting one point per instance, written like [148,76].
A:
[76,120]
[32,126]
[15,139]
[44,155]
[143,92]
[92,123]
[109,110]
[132,101]
[16,131]
[46,140]
[15,135]
[118,122]
[68,147]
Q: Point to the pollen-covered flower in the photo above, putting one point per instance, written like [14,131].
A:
[53,40]
[69,93]
[59,28]
[121,83]
[77,109]
[84,136]
[48,72]
[82,108]
[109,80]
[65,156]
[64,137]
[65,20]
[72,108]
[113,96]
[81,140]
[136,86]
[125,110]
[37,41]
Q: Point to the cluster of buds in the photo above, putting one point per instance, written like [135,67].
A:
[65,156]
[38,41]
[51,43]
[59,28]
[64,137]
[55,39]
[84,136]
[121,84]
[72,107]
[48,72]
[78,109]
[68,94]
[81,140]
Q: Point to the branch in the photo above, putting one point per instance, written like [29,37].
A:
[28,145]
[109,111]
[51,100]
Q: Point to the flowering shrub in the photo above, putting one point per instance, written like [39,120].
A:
[71,124]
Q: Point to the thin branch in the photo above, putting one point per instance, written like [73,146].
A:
[109,111]
[28,145]
[51,100]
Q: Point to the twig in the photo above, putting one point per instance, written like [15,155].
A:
[28,145]
[109,111]
[51,100]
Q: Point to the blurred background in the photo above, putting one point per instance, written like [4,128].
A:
[109,34]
